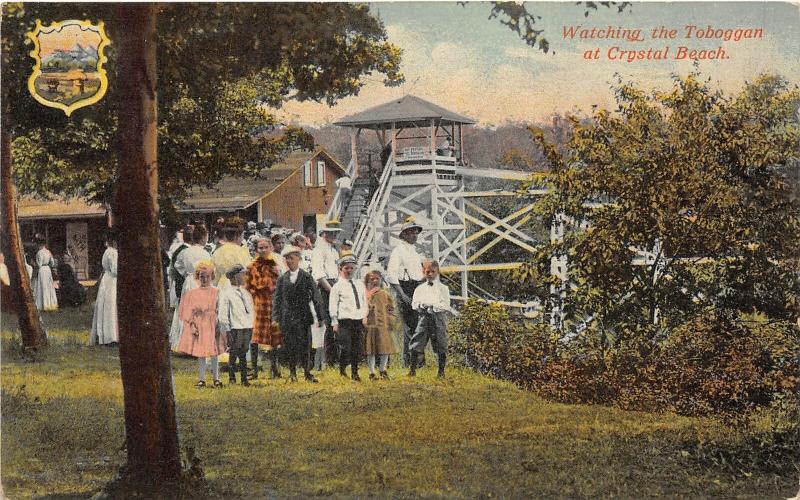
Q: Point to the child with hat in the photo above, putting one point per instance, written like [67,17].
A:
[236,314]
[295,295]
[348,308]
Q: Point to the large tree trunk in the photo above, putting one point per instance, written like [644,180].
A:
[150,425]
[33,336]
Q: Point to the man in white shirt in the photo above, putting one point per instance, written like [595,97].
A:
[404,274]
[324,270]
[432,301]
[235,315]
[348,308]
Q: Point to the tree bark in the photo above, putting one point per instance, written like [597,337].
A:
[33,336]
[150,424]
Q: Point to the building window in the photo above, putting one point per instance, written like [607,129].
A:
[307,174]
[320,173]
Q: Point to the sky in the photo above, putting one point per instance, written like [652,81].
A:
[455,56]
[66,38]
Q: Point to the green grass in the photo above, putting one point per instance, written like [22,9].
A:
[466,437]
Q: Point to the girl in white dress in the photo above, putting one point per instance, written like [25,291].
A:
[184,264]
[104,323]
[44,291]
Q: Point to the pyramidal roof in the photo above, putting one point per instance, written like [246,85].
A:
[404,110]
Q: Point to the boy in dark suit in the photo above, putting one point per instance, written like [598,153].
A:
[295,295]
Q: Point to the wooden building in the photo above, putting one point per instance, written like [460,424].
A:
[73,225]
[289,194]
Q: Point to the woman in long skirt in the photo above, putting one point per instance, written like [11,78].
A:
[105,329]
[184,265]
[44,290]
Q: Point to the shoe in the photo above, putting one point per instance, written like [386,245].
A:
[218,384]
[384,375]
[312,379]
[372,377]
[412,373]
[245,383]
[200,384]
[440,374]
[356,378]
[343,373]
[232,380]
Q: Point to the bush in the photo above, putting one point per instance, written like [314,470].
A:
[711,365]
[718,365]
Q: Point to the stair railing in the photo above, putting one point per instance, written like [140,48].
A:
[365,234]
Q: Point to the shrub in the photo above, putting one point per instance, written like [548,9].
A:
[712,365]
[715,364]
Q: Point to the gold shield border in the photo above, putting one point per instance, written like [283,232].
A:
[37,67]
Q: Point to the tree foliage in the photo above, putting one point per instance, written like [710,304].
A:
[222,70]
[521,19]
[679,201]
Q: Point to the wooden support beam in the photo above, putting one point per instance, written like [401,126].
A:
[491,244]
[433,136]
[497,222]
[481,267]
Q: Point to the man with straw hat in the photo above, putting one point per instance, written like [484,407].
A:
[325,270]
[404,274]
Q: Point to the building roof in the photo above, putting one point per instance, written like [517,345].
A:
[29,207]
[407,109]
[238,193]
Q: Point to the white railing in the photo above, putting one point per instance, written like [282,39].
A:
[366,226]
[337,205]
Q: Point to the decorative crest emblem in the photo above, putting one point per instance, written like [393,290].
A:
[68,73]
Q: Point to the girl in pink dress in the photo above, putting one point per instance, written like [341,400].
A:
[198,312]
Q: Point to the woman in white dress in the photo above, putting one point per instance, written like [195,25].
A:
[184,264]
[44,291]
[104,323]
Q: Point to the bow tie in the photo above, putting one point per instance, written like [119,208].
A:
[430,283]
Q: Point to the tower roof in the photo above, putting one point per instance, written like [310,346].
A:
[407,110]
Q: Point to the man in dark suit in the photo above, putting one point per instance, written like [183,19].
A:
[295,295]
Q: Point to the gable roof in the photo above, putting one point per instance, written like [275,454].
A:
[407,109]
[238,193]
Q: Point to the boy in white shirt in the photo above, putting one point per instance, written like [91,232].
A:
[432,301]
[348,308]
[235,313]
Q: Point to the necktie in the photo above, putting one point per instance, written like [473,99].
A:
[244,301]
[355,294]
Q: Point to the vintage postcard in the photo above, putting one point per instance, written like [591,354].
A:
[400,249]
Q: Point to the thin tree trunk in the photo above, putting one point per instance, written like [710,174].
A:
[150,424]
[33,336]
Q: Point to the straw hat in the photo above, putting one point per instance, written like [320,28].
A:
[410,224]
[332,226]
[347,258]
[288,249]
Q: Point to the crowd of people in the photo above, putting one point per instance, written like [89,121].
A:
[254,292]
[53,282]
[258,294]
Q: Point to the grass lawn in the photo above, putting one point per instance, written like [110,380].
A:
[467,436]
